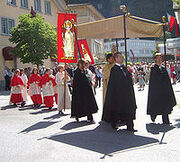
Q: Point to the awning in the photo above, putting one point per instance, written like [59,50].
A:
[7,54]
[136,27]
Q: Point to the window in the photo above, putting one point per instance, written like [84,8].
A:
[37,5]
[24,3]
[47,7]
[74,11]
[11,2]
[99,6]
[6,25]
[122,44]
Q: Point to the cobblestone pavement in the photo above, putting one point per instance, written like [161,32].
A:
[29,135]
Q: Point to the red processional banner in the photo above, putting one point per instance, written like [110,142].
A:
[66,41]
[84,50]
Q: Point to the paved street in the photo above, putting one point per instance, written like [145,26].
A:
[29,135]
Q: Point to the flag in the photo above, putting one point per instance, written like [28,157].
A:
[177,28]
[171,22]
[66,40]
[85,52]
[132,54]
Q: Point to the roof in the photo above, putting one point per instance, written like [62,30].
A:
[60,4]
[88,5]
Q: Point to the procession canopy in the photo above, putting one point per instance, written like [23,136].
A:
[136,27]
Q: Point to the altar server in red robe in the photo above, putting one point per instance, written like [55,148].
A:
[34,88]
[16,89]
[48,84]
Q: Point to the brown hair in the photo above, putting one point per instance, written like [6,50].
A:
[47,69]
[34,70]
[116,54]
[80,62]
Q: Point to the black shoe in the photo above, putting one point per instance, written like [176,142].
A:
[15,104]
[23,103]
[38,105]
[91,121]
[77,119]
[61,113]
[114,126]
[153,118]
[131,130]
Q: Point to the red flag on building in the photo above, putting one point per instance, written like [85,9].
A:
[171,21]
[66,42]
[84,50]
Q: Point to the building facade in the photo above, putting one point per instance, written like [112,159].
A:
[9,12]
[88,13]
[142,49]
[172,48]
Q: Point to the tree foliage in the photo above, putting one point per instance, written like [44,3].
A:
[35,39]
[177,2]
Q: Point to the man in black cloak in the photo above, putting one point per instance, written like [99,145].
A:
[161,99]
[120,101]
[83,100]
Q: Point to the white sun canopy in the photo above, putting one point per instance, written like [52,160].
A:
[136,27]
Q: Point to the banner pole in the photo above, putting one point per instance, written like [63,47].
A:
[164,38]
[67,2]
[65,87]
[77,44]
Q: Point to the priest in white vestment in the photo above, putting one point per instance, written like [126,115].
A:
[60,76]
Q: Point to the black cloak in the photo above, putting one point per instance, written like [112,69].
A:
[161,99]
[120,101]
[83,100]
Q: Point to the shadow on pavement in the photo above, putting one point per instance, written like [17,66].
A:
[39,125]
[26,107]
[75,124]
[56,116]
[8,107]
[43,111]
[157,128]
[103,140]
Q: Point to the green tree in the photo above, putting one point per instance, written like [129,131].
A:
[35,40]
[177,2]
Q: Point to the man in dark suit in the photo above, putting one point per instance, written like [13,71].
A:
[161,99]
[120,101]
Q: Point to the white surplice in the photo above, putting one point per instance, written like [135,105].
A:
[60,89]
[24,89]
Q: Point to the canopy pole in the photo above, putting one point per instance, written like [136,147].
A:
[80,57]
[164,38]
[123,7]
[117,44]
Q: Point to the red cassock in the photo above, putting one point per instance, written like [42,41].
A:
[35,89]
[47,84]
[16,89]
